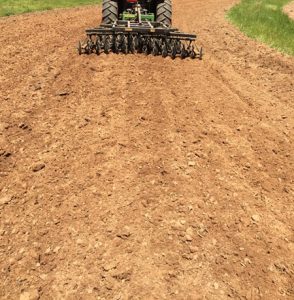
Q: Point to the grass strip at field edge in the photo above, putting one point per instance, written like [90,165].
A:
[16,7]
[265,21]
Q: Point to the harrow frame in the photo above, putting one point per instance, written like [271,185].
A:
[145,37]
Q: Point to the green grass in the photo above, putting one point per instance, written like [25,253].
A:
[265,21]
[13,7]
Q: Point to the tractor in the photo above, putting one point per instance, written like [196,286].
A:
[139,26]
[151,10]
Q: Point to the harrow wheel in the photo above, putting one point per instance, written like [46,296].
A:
[107,45]
[98,48]
[201,53]
[80,50]
[154,47]
[115,44]
[192,53]
[164,52]
[132,45]
[174,50]
[140,42]
[124,46]
[89,46]
[136,42]
[145,50]
[184,52]
[155,50]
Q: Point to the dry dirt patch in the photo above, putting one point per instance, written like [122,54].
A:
[289,10]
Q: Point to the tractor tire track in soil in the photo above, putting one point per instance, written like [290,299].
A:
[142,177]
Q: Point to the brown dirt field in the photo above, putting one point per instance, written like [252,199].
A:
[289,9]
[133,177]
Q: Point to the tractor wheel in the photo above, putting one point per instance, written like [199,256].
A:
[164,12]
[109,11]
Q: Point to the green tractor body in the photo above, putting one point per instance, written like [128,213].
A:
[151,10]
[127,16]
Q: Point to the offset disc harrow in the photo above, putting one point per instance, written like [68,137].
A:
[147,38]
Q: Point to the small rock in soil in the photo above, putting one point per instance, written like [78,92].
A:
[255,218]
[124,233]
[109,266]
[5,200]
[188,238]
[3,126]
[43,276]
[56,249]
[30,295]
[38,167]
[187,256]
[80,242]
[63,93]
[193,249]
[23,126]
[177,226]
[191,163]
[189,231]
[247,260]
[122,276]
[5,153]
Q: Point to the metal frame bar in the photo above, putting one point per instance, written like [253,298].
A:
[161,34]
[154,29]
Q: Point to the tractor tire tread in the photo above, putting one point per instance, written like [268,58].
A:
[164,12]
[109,11]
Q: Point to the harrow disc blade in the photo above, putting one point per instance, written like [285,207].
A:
[140,43]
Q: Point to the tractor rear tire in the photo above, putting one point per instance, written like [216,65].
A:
[164,12]
[109,11]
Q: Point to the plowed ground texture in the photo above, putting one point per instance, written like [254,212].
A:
[138,177]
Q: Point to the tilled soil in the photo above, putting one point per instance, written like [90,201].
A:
[134,177]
